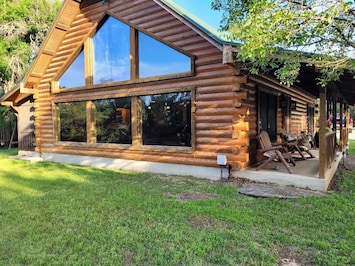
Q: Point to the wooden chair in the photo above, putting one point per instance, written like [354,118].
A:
[273,152]
[294,144]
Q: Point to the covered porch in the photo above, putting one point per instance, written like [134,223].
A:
[304,175]
[332,139]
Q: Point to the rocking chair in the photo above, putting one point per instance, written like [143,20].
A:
[273,152]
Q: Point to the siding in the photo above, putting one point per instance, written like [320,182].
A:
[212,82]
[224,106]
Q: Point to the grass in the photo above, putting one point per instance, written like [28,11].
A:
[56,214]
[351,150]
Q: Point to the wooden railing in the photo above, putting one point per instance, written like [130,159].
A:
[27,141]
[344,139]
[331,148]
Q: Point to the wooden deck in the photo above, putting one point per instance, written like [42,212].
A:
[304,174]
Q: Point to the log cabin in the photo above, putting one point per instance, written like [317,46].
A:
[144,85]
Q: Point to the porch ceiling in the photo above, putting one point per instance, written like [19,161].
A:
[344,89]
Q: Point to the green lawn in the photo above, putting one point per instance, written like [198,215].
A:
[352,147]
[56,214]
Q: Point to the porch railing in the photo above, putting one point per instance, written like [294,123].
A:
[27,141]
[331,148]
[344,139]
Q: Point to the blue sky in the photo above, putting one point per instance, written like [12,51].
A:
[203,10]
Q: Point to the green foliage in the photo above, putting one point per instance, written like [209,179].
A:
[351,150]
[282,34]
[72,121]
[7,123]
[23,26]
[56,214]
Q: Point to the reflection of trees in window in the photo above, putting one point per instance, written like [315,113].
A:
[166,119]
[72,121]
[113,120]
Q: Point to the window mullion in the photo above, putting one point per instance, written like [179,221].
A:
[90,122]
[136,121]
[134,53]
[89,61]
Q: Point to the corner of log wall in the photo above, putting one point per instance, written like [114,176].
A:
[240,123]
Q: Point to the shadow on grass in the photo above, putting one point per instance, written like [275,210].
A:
[34,179]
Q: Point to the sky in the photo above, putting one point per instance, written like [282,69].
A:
[203,10]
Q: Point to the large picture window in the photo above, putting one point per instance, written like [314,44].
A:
[113,121]
[72,121]
[159,119]
[166,119]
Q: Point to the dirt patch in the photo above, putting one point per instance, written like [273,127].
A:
[198,222]
[346,164]
[193,195]
[290,256]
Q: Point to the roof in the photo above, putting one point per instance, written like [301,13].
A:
[196,21]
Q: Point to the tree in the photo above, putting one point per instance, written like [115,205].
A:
[23,26]
[283,34]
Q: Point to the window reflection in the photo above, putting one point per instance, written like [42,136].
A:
[113,121]
[156,58]
[166,119]
[72,120]
[74,76]
[111,52]
[111,57]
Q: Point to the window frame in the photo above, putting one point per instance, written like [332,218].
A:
[87,48]
[136,123]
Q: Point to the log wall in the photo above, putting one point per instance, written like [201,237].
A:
[212,83]
[224,104]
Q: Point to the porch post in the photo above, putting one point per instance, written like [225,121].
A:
[347,124]
[334,110]
[322,132]
[341,133]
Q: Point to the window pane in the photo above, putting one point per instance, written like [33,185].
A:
[166,119]
[111,52]
[113,121]
[74,76]
[156,58]
[72,120]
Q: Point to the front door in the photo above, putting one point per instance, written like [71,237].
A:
[267,114]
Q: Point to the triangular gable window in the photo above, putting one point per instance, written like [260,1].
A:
[156,58]
[112,52]
[112,57]
[74,76]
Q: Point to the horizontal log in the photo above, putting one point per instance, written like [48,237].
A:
[240,79]
[224,142]
[213,111]
[241,126]
[215,148]
[241,95]
[213,126]
[215,104]
[211,119]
